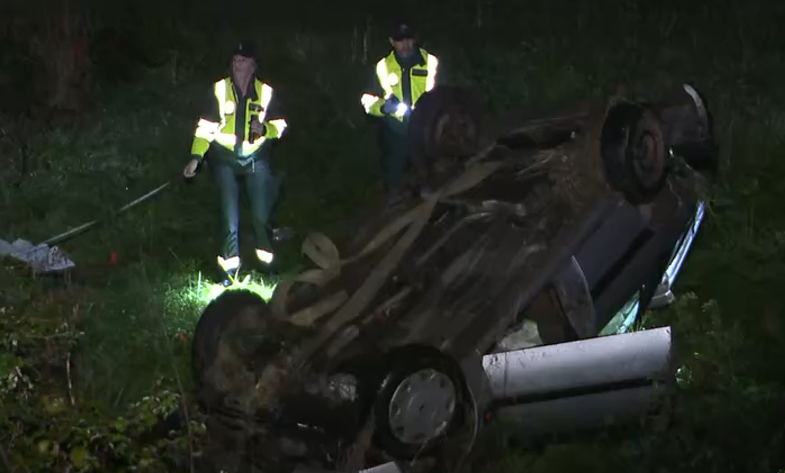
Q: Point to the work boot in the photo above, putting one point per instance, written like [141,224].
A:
[230,268]
[266,261]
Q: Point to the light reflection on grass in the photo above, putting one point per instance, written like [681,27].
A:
[206,291]
[197,292]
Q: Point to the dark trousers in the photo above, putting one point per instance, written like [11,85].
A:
[261,187]
[396,159]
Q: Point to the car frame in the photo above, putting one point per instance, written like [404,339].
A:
[618,256]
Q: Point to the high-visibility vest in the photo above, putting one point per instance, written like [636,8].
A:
[389,72]
[223,131]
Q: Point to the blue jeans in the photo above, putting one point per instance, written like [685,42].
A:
[262,189]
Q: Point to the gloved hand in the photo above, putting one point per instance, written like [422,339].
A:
[390,106]
[190,168]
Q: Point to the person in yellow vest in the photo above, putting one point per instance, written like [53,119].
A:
[234,133]
[399,80]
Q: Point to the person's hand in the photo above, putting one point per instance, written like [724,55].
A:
[190,168]
[390,106]
[258,128]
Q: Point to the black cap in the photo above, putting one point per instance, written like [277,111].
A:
[245,49]
[401,29]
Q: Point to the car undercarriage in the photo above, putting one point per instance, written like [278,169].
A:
[502,283]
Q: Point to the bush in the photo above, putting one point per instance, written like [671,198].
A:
[46,427]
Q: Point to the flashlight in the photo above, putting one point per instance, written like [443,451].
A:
[401,109]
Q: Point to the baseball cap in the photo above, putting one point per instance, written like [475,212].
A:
[401,29]
[245,49]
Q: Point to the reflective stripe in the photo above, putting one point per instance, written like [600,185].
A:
[220,94]
[433,66]
[381,73]
[206,129]
[267,95]
[368,101]
[211,127]
[228,264]
[226,139]
[264,256]
[279,125]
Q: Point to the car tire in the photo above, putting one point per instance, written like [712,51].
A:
[214,348]
[635,158]
[406,362]
[447,123]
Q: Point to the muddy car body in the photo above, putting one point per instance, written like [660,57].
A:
[571,225]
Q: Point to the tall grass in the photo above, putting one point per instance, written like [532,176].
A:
[529,56]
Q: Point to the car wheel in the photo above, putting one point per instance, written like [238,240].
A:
[447,123]
[422,404]
[634,154]
[226,339]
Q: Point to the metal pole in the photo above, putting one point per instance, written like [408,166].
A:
[74,231]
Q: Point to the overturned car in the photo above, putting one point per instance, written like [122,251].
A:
[501,286]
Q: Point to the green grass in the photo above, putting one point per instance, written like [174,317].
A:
[523,56]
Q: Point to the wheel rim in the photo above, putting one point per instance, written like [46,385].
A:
[422,406]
